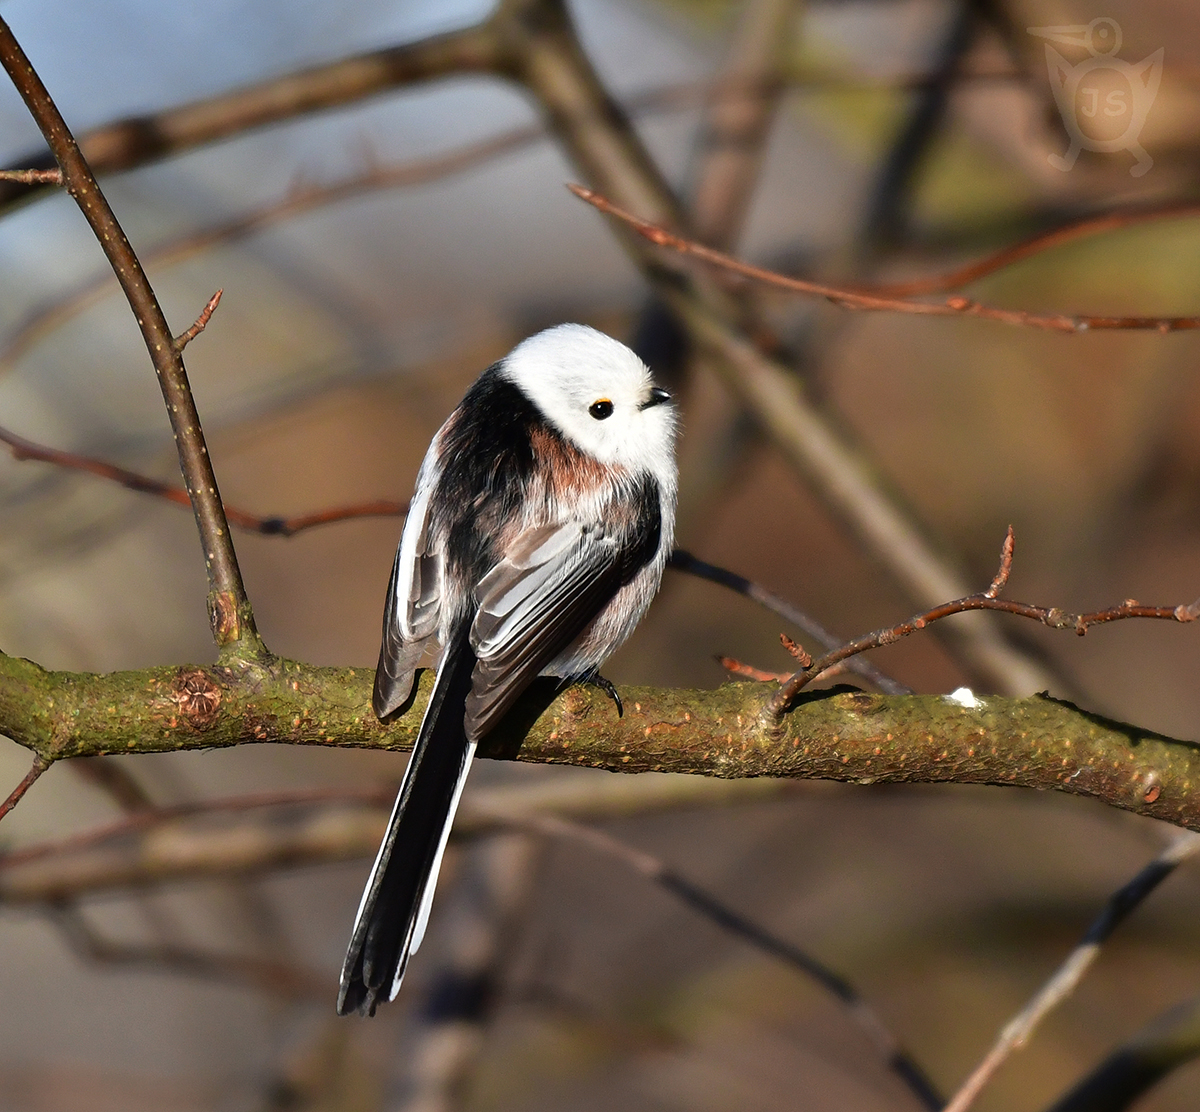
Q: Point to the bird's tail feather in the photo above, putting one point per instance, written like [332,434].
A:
[395,905]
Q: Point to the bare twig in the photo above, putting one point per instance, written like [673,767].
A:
[271,526]
[1019,1029]
[848,297]
[230,612]
[273,830]
[1052,616]
[749,672]
[1036,244]
[40,764]
[686,562]
[137,140]
[32,177]
[201,322]
[722,915]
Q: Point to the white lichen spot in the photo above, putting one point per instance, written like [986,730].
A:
[964,697]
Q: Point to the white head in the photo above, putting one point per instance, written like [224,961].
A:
[599,395]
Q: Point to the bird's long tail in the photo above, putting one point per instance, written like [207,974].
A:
[395,905]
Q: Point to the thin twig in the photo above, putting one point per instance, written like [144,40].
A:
[40,764]
[1114,220]
[620,798]
[306,197]
[201,322]
[271,526]
[748,671]
[848,297]
[32,177]
[798,652]
[690,565]
[1119,907]
[1052,616]
[721,914]
[230,612]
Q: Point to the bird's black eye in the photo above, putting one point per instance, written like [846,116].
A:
[601,409]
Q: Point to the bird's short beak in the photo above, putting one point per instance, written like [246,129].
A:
[657,396]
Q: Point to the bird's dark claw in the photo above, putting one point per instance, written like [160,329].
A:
[594,679]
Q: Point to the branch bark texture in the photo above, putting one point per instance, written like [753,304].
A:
[856,737]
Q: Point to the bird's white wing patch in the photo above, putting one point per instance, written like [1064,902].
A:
[414,602]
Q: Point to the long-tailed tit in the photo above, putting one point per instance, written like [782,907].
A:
[537,536]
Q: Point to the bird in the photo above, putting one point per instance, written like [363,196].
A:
[536,538]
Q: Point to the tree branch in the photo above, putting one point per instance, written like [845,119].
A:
[1113,220]
[689,564]
[230,613]
[271,525]
[136,140]
[244,836]
[853,737]
[1052,616]
[850,297]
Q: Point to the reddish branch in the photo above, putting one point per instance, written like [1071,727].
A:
[849,297]
[23,449]
[1052,616]
[40,764]
[229,607]
[201,322]
[1035,245]
[737,667]
[32,177]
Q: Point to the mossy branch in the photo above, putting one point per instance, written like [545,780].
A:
[1034,742]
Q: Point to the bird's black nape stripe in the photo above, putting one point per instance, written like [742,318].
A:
[647,528]
[487,461]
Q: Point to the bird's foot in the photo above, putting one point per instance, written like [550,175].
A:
[594,679]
